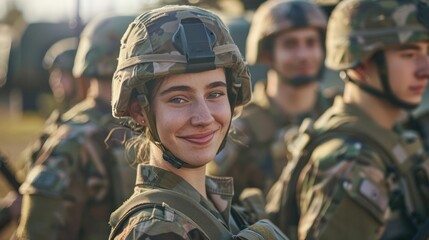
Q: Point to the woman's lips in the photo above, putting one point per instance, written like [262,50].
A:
[200,139]
[418,89]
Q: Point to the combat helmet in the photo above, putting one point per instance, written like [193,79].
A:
[361,29]
[99,47]
[173,40]
[61,55]
[274,17]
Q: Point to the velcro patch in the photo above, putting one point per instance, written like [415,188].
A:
[373,194]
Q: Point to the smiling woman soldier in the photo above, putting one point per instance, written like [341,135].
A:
[179,79]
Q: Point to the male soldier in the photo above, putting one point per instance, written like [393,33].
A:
[67,91]
[59,61]
[77,179]
[353,176]
[287,36]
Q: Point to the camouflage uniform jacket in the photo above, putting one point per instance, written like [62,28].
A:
[255,154]
[351,189]
[69,192]
[168,223]
[420,123]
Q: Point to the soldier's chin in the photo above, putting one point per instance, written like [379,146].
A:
[300,80]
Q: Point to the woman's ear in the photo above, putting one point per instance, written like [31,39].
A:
[137,112]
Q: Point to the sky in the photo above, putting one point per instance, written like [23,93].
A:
[59,10]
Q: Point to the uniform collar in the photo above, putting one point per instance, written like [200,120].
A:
[219,189]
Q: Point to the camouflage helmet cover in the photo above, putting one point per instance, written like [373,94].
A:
[61,54]
[273,17]
[359,28]
[99,46]
[149,52]
[326,2]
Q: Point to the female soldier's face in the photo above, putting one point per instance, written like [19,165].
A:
[192,115]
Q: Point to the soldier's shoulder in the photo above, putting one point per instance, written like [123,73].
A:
[356,167]
[69,139]
[257,122]
[343,148]
[87,111]
[251,110]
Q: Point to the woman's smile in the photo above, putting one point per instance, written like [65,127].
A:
[200,138]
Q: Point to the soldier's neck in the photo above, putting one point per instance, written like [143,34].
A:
[382,112]
[292,100]
[194,176]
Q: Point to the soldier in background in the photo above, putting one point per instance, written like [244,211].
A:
[352,175]
[287,36]
[78,178]
[67,91]
[59,61]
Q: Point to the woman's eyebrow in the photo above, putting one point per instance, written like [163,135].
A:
[188,88]
[176,88]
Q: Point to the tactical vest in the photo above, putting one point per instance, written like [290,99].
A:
[190,210]
[207,223]
[405,166]
[266,131]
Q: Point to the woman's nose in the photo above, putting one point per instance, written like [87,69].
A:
[201,114]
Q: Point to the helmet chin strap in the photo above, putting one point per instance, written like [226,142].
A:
[386,94]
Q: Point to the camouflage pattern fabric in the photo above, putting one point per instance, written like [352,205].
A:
[148,52]
[255,153]
[99,47]
[350,42]
[352,189]
[167,223]
[76,180]
[420,123]
[61,55]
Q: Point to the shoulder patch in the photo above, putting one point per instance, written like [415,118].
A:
[45,181]
[373,194]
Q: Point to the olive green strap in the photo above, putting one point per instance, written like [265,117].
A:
[209,224]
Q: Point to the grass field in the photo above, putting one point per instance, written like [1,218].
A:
[16,133]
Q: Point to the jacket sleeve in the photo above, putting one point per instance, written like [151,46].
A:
[54,195]
[263,229]
[343,193]
[41,218]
